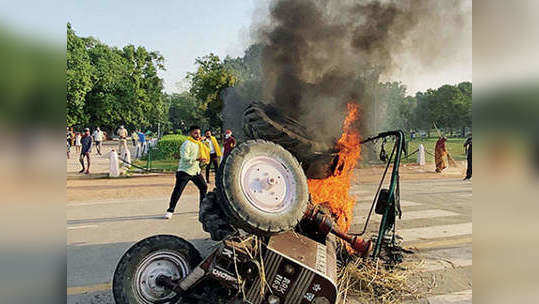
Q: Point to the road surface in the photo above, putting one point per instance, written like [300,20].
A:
[437,220]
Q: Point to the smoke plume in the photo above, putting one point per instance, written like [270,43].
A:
[318,55]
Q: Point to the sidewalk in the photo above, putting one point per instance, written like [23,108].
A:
[99,164]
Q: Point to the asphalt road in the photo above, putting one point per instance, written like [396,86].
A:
[437,221]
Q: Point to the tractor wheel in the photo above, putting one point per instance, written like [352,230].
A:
[262,188]
[213,219]
[135,275]
[263,121]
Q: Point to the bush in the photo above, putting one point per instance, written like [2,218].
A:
[168,147]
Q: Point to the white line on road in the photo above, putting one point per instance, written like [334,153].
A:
[81,227]
[431,232]
[110,202]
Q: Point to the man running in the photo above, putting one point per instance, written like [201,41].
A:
[192,153]
[86,143]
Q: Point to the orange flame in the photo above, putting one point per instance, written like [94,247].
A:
[333,191]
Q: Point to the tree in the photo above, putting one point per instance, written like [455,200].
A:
[393,113]
[184,111]
[79,73]
[108,86]
[207,84]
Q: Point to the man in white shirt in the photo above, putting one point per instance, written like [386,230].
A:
[98,138]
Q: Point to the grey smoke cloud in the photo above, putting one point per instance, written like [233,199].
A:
[319,55]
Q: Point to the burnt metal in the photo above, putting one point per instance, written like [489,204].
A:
[321,165]
[325,225]
[383,201]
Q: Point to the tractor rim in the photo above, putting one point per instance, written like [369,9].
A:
[267,183]
[163,262]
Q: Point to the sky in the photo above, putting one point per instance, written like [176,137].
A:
[180,30]
[183,30]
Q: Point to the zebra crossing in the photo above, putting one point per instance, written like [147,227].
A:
[438,228]
[436,223]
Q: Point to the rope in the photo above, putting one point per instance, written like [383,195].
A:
[123,160]
[426,151]
[410,154]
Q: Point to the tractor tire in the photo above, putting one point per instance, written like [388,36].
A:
[262,187]
[213,219]
[134,277]
[263,121]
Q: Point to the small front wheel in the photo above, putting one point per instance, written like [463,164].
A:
[135,276]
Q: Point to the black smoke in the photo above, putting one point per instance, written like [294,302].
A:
[318,55]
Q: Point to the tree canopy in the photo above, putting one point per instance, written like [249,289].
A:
[108,86]
[207,84]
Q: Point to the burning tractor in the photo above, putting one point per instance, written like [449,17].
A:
[279,241]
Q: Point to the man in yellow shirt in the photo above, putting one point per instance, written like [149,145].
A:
[192,153]
[215,153]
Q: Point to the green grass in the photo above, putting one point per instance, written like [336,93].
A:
[454,146]
[162,164]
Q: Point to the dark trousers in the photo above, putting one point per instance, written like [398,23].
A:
[214,160]
[98,147]
[469,168]
[182,179]
[81,159]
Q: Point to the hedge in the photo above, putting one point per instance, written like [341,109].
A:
[168,147]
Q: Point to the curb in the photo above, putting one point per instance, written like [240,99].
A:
[106,175]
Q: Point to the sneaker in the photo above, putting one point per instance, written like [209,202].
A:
[81,171]
[168,215]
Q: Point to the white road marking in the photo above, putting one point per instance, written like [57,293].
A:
[110,202]
[81,227]
[431,232]
[460,297]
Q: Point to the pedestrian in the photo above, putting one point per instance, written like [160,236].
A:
[215,153]
[69,141]
[440,152]
[468,149]
[122,145]
[134,138]
[192,153]
[141,143]
[230,142]
[78,138]
[98,138]
[72,136]
[86,142]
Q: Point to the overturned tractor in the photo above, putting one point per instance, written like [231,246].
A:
[276,245]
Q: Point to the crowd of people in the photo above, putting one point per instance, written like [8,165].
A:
[84,141]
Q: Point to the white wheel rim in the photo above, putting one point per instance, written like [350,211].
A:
[163,262]
[267,184]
